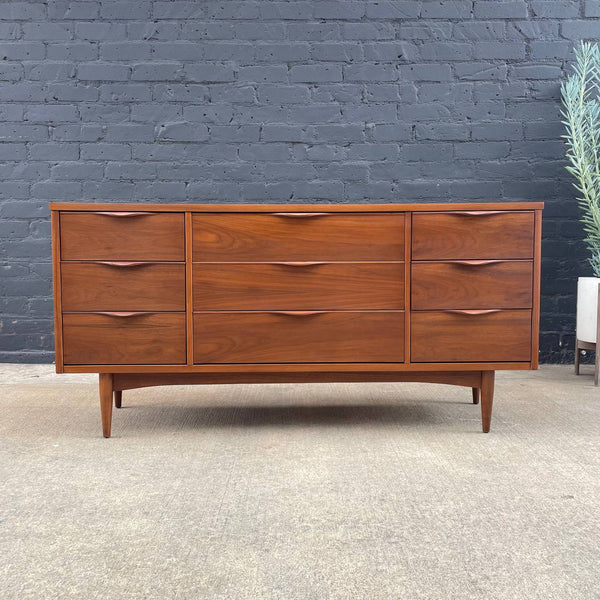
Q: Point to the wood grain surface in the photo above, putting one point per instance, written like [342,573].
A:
[268,286]
[143,236]
[454,337]
[155,338]
[438,285]
[268,337]
[281,237]
[137,287]
[106,237]
[472,235]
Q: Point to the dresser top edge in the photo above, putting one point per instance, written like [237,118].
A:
[267,208]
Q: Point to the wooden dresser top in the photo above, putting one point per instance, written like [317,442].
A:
[426,207]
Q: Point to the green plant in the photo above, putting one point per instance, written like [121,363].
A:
[580,97]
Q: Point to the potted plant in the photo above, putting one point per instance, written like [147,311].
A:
[580,97]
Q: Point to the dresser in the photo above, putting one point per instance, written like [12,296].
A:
[159,294]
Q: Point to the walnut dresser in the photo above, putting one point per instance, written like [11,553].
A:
[158,294]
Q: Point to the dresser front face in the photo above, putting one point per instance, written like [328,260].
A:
[176,289]
[122,287]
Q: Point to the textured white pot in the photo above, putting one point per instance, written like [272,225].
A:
[587,308]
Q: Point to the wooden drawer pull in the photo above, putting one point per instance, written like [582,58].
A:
[477,263]
[122,315]
[302,215]
[300,263]
[297,313]
[479,213]
[123,263]
[122,214]
[472,312]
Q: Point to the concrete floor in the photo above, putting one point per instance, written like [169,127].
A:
[300,491]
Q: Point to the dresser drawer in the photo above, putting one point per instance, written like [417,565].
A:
[472,284]
[123,339]
[116,285]
[284,286]
[322,337]
[445,336]
[298,236]
[122,235]
[472,234]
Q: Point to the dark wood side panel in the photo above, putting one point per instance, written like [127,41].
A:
[286,286]
[472,284]
[189,301]
[154,338]
[137,287]
[537,272]
[472,235]
[407,284]
[462,337]
[121,235]
[56,286]
[326,337]
[298,236]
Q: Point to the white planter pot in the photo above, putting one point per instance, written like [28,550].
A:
[587,308]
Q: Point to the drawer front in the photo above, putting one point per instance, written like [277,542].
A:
[472,234]
[123,286]
[501,336]
[298,236]
[122,236]
[472,284]
[299,286]
[155,338]
[325,337]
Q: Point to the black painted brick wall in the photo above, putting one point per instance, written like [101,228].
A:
[268,101]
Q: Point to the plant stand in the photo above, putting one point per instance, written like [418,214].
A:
[581,345]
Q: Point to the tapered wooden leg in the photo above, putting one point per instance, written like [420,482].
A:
[577,357]
[475,395]
[106,402]
[487,399]
[118,398]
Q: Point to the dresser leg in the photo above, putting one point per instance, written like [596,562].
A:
[118,398]
[106,402]
[475,395]
[577,357]
[487,398]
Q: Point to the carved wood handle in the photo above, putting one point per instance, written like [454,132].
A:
[477,263]
[472,312]
[299,215]
[122,315]
[479,213]
[122,214]
[313,263]
[297,313]
[122,263]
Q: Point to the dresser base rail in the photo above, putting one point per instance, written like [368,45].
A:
[112,385]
